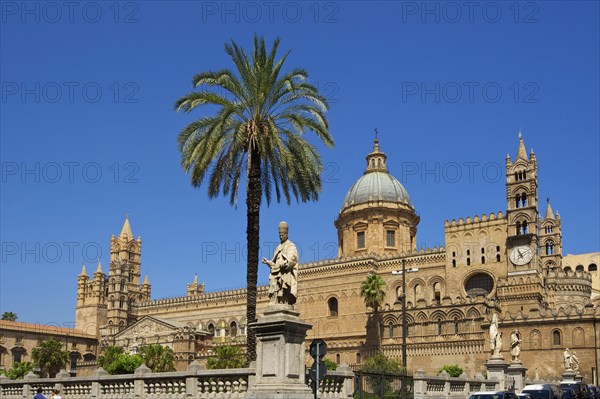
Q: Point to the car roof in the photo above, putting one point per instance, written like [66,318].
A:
[487,392]
[537,387]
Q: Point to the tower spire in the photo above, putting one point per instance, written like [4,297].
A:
[99,268]
[549,213]
[83,271]
[126,230]
[522,152]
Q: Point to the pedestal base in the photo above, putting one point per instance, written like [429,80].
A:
[280,337]
[497,369]
[516,372]
[572,375]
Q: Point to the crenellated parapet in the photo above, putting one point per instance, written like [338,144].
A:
[204,299]
[477,221]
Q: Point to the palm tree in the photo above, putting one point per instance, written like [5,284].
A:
[158,358]
[372,291]
[9,316]
[256,136]
[50,357]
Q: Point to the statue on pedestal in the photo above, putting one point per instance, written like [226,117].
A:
[495,337]
[515,345]
[567,359]
[574,362]
[283,280]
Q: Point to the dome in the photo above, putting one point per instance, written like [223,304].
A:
[376,186]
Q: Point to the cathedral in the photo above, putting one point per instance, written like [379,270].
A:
[509,263]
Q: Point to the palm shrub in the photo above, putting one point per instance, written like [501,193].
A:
[50,357]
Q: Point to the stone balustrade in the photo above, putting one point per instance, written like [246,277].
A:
[444,386]
[195,383]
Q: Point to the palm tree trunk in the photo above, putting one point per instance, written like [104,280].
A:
[253,199]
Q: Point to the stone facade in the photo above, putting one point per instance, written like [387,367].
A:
[508,262]
[17,341]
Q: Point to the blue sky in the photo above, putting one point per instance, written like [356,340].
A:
[88,131]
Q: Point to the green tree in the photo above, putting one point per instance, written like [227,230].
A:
[372,291]
[227,357]
[331,365]
[19,370]
[380,364]
[50,357]
[9,316]
[124,363]
[373,294]
[453,370]
[109,355]
[255,136]
[158,358]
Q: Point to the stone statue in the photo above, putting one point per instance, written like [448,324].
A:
[283,280]
[567,358]
[574,362]
[493,333]
[498,345]
[515,344]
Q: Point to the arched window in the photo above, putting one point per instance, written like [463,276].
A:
[518,201]
[453,262]
[556,338]
[568,269]
[456,326]
[390,330]
[439,327]
[468,261]
[479,284]
[358,358]
[121,303]
[417,292]
[122,286]
[437,292]
[337,358]
[579,268]
[233,329]
[592,267]
[525,228]
[211,329]
[332,303]
[523,199]
[483,260]
[399,292]
[497,257]
[379,163]
[549,248]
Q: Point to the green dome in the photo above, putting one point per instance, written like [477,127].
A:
[376,186]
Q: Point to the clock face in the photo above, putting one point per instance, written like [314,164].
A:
[521,255]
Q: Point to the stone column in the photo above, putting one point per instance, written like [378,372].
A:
[280,370]
[516,371]
[497,368]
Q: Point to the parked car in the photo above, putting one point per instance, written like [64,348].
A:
[543,391]
[596,391]
[590,393]
[579,387]
[568,393]
[524,395]
[493,395]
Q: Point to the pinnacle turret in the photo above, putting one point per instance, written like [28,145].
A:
[376,158]
[522,152]
[83,271]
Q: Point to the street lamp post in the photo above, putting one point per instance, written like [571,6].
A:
[404,329]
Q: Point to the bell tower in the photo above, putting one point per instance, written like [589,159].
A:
[522,210]
[124,289]
[523,288]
